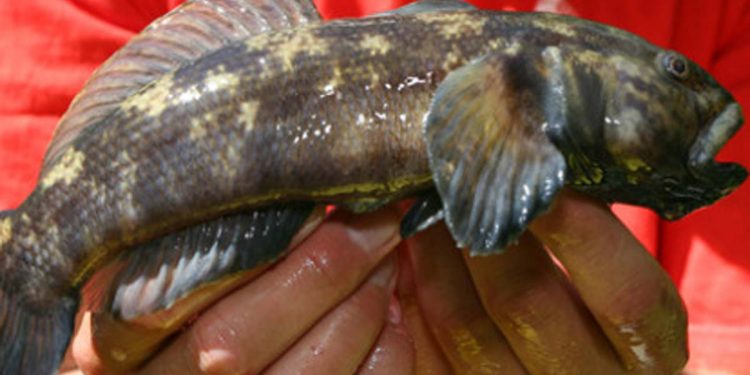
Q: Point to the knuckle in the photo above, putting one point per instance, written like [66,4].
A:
[322,267]
[517,300]
[638,306]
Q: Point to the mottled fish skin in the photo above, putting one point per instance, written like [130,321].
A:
[330,113]
[634,139]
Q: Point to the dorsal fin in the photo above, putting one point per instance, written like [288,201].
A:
[423,6]
[184,34]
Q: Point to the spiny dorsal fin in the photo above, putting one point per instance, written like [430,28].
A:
[493,164]
[182,35]
[430,6]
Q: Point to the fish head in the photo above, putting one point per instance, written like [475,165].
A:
[664,120]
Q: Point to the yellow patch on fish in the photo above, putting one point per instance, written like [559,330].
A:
[597,175]
[554,26]
[198,126]
[461,25]
[453,59]
[635,164]
[197,129]
[631,68]
[590,58]
[248,111]
[154,100]
[513,48]
[299,43]
[371,72]
[128,173]
[376,44]
[67,169]
[230,159]
[221,80]
[6,230]
[329,88]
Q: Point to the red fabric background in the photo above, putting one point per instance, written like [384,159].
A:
[49,47]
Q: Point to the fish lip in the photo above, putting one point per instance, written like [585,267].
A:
[717,179]
[713,137]
[711,180]
[711,183]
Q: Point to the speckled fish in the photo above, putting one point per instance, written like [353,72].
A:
[208,164]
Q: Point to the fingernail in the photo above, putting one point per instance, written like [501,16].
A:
[383,274]
[214,361]
[374,231]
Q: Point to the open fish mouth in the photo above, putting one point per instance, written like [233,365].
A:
[712,180]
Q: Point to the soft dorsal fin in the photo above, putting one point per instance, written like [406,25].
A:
[182,35]
[423,6]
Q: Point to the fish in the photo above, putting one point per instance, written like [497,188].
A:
[207,167]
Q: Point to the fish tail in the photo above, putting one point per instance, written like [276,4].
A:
[33,338]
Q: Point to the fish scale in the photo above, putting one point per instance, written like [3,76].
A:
[357,113]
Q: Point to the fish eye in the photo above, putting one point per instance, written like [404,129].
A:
[676,65]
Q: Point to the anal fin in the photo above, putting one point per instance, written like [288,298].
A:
[165,282]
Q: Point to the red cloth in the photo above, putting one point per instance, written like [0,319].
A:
[49,47]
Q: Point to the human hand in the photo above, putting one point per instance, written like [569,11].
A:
[613,310]
[324,309]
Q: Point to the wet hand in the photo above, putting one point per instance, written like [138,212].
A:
[613,310]
[324,309]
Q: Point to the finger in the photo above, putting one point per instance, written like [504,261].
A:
[393,353]
[631,297]
[247,330]
[452,309]
[547,326]
[429,358]
[83,348]
[342,339]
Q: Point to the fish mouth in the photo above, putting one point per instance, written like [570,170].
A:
[713,137]
[712,180]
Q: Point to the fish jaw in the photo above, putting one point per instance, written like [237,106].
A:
[714,180]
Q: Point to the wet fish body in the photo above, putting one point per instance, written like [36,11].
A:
[484,115]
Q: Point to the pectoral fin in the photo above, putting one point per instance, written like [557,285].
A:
[492,163]
[164,283]
[426,211]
